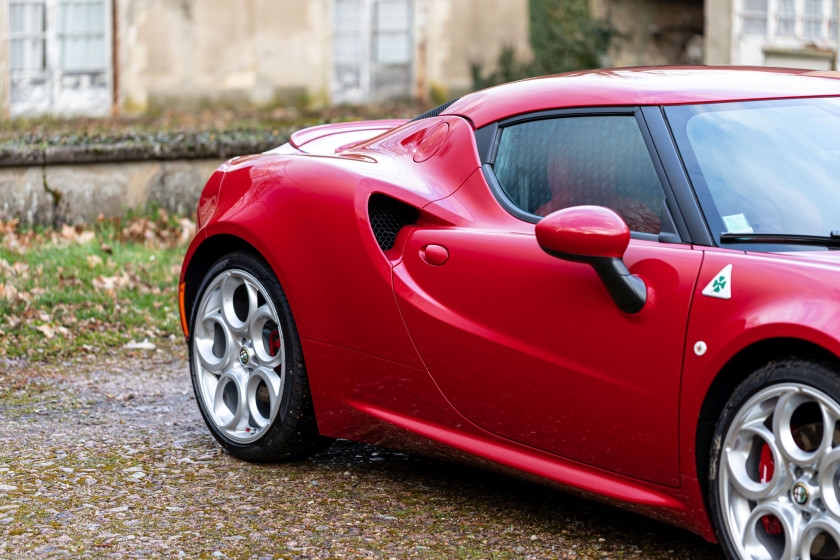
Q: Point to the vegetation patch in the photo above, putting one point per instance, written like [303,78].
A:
[90,289]
[564,37]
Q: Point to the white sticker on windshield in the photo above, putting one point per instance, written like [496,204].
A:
[737,223]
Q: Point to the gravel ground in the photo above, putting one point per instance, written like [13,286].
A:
[112,460]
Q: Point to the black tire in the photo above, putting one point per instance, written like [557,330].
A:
[803,423]
[292,432]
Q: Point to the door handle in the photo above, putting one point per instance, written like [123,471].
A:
[434,255]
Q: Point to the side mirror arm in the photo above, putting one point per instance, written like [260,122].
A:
[627,290]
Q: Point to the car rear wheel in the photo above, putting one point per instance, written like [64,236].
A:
[247,364]
[775,465]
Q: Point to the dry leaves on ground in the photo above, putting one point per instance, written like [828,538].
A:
[86,286]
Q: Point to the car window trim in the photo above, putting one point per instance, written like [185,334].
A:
[487,142]
[685,202]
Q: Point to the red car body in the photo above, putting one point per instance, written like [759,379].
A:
[467,339]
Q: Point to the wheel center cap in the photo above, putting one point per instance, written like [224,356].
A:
[244,356]
[799,494]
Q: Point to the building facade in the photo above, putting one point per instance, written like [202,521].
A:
[99,57]
[785,33]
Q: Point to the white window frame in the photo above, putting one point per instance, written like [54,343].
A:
[369,33]
[58,99]
[827,20]
[750,48]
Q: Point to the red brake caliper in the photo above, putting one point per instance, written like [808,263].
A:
[274,342]
[765,469]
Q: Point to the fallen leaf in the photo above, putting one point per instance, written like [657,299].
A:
[94,260]
[145,345]
[46,330]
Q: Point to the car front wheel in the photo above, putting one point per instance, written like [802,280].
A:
[247,364]
[775,465]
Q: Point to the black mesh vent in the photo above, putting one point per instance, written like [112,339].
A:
[436,111]
[388,217]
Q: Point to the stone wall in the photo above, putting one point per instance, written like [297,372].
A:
[50,195]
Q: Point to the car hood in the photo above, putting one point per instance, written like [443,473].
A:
[331,138]
[818,257]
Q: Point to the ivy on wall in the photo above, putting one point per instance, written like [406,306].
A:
[564,37]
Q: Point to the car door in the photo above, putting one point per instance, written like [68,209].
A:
[531,347]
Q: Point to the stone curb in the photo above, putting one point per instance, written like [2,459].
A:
[179,148]
[47,184]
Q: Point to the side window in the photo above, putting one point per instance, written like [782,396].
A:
[551,164]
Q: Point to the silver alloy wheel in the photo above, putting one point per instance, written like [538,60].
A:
[239,346]
[779,483]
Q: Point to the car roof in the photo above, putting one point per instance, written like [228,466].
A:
[673,85]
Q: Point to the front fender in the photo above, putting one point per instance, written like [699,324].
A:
[772,299]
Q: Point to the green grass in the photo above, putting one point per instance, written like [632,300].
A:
[91,289]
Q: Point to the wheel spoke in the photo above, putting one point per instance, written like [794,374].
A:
[253,299]
[815,534]
[741,458]
[213,342]
[829,420]
[265,387]
[784,430]
[759,545]
[263,323]
[829,472]
[236,311]
[228,402]
[228,287]
[212,302]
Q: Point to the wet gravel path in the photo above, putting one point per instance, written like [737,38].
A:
[114,461]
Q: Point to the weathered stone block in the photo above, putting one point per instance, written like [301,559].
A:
[79,193]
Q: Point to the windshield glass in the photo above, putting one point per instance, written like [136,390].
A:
[764,166]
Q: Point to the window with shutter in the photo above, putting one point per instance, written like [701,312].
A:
[60,57]
[373,50]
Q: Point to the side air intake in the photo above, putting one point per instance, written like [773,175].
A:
[387,217]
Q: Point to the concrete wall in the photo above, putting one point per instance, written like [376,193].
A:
[186,53]
[464,31]
[653,32]
[718,17]
[175,52]
[55,194]
[179,52]
[4,58]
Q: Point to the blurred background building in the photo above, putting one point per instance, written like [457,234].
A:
[101,57]
[787,33]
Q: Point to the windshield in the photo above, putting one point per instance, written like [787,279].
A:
[763,166]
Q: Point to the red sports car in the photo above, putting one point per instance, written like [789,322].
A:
[622,282]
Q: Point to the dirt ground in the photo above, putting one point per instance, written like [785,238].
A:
[110,459]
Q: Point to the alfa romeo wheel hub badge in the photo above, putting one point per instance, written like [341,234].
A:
[800,494]
[243,356]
